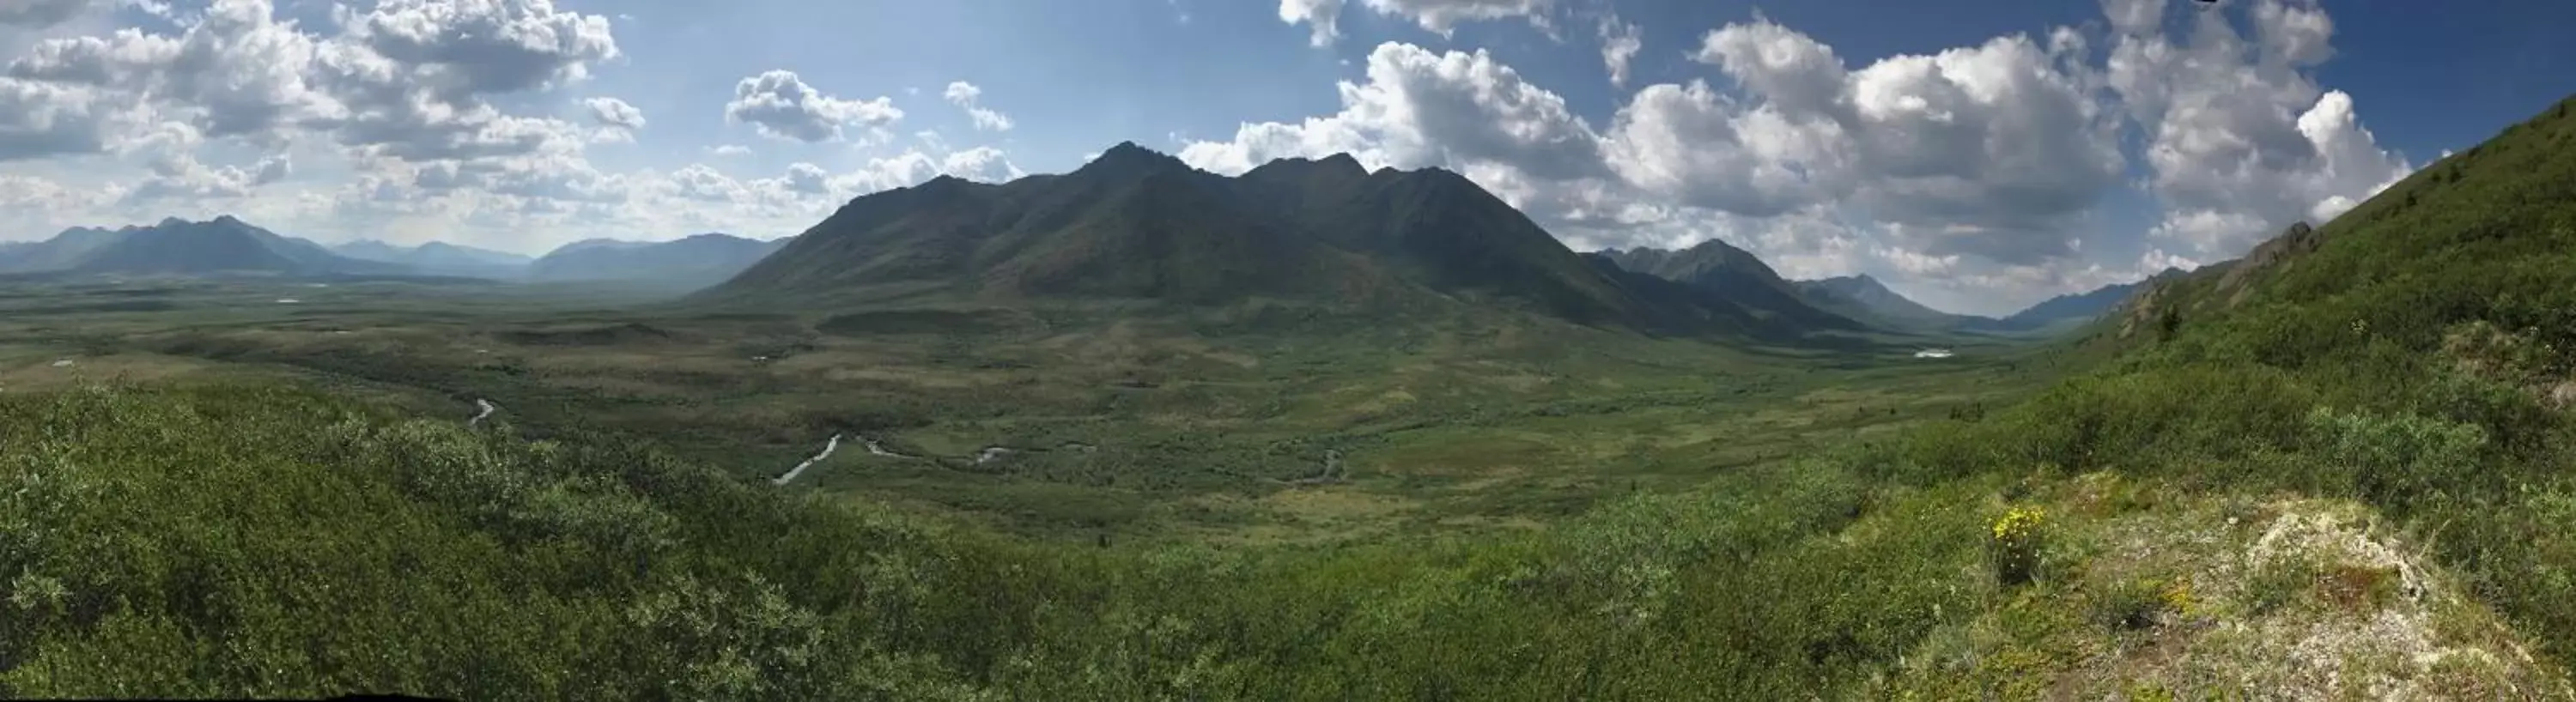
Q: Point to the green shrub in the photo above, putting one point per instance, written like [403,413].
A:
[2015,540]
[2396,458]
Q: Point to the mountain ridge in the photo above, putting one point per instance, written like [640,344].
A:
[1135,224]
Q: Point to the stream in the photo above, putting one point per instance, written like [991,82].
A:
[487,409]
[818,458]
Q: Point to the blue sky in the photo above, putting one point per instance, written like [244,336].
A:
[1976,155]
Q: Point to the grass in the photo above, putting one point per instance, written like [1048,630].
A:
[1199,425]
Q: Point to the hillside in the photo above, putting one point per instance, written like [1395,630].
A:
[2403,355]
[688,263]
[1139,225]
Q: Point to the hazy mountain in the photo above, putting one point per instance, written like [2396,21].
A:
[2071,309]
[180,247]
[1732,274]
[60,252]
[1864,297]
[439,257]
[1136,224]
[684,264]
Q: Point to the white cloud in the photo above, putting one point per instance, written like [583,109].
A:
[484,46]
[39,120]
[181,177]
[1620,42]
[781,106]
[612,112]
[982,163]
[1323,17]
[2241,140]
[965,95]
[1420,108]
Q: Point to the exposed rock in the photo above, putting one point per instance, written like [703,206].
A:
[2281,252]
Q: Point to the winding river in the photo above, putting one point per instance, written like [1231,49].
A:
[828,446]
[487,409]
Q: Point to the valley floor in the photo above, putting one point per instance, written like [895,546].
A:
[1182,428]
[471,492]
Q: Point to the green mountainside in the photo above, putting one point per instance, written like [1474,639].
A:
[1139,225]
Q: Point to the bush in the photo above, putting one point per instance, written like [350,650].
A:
[2014,540]
[2395,459]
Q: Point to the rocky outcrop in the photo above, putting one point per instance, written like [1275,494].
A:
[2281,252]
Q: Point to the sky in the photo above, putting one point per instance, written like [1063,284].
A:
[1978,156]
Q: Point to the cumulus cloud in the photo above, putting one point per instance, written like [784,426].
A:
[410,78]
[965,95]
[1982,164]
[483,47]
[2241,140]
[781,106]
[1418,108]
[1437,16]
[180,176]
[39,120]
[612,112]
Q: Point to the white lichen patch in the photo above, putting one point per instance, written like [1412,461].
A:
[2180,597]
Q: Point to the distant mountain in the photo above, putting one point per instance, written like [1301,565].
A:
[58,253]
[685,264]
[224,245]
[439,257]
[1864,297]
[2068,310]
[1731,274]
[1139,225]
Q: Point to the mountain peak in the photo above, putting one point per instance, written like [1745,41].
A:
[1339,166]
[1128,158]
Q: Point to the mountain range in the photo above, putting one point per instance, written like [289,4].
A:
[439,257]
[1718,268]
[228,246]
[1135,224]
[688,263]
[221,246]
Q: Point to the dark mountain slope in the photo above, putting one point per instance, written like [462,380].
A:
[1864,297]
[1734,277]
[1135,224]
